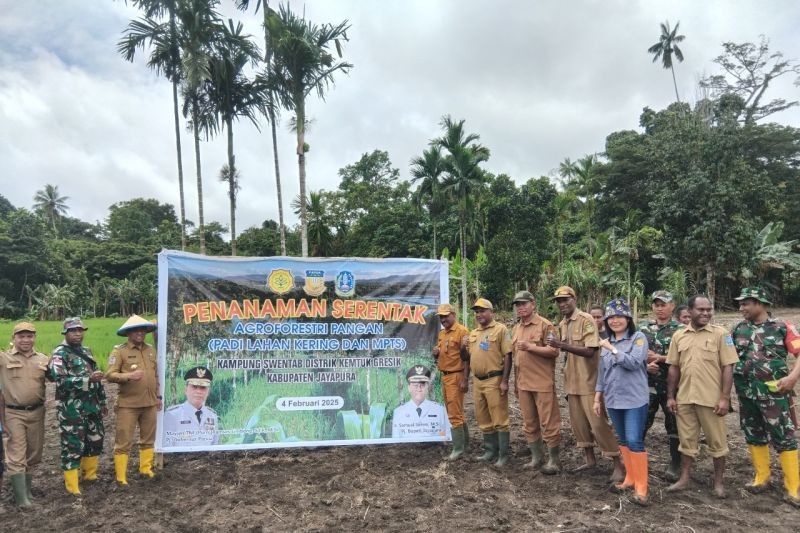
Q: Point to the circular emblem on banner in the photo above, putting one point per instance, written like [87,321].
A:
[345,284]
[315,282]
[280,281]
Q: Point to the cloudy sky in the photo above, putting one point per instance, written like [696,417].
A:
[538,80]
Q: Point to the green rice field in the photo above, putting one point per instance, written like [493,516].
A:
[101,336]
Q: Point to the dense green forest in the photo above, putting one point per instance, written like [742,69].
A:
[702,197]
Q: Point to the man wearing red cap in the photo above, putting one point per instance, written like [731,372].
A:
[133,366]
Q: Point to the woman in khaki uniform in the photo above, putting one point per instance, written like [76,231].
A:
[133,366]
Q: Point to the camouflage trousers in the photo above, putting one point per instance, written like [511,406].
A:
[670,423]
[767,421]
[82,434]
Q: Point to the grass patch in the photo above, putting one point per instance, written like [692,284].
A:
[101,336]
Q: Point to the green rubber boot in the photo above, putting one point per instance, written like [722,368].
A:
[20,490]
[28,479]
[458,443]
[553,465]
[489,446]
[502,448]
[537,455]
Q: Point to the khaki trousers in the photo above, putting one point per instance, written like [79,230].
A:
[491,408]
[453,399]
[691,418]
[590,428]
[127,420]
[25,432]
[541,417]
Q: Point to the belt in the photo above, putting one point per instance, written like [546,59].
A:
[24,407]
[492,374]
[446,372]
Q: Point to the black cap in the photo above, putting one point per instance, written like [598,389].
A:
[418,373]
[199,376]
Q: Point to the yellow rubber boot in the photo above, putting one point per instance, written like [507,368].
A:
[146,462]
[760,458]
[71,481]
[791,477]
[121,468]
[89,468]
[627,460]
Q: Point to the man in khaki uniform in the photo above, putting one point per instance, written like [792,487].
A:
[133,366]
[535,383]
[455,375]
[701,358]
[22,380]
[580,343]
[489,350]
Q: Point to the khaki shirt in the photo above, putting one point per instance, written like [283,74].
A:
[580,376]
[701,355]
[142,393]
[449,344]
[488,347]
[534,372]
[22,377]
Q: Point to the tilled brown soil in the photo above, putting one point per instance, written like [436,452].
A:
[391,488]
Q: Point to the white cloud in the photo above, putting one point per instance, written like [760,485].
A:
[539,81]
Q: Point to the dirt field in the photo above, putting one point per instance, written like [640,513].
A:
[392,488]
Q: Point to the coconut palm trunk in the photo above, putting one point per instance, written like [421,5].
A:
[196,131]
[231,183]
[278,181]
[461,232]
[675,83]
[180,163]
[301,167]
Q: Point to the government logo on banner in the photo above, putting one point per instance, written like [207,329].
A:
[345,284]
[280,281]
[315,282]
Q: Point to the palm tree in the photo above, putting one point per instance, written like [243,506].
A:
[319,230]
[232,179]
[199,26]
[51,203]
[270,105]
[233,96]
[464,179]
[429,170]
[666,47]
[302,63]
[164,59]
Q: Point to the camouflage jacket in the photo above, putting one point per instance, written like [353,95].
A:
[70,369]
[762,350]
[659,338]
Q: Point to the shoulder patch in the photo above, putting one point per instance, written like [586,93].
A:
[588,327]
[728,340]
[112,360]
[639,342]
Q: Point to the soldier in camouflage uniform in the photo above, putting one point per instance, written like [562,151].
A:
[764,384]
[81,405]
[659,335]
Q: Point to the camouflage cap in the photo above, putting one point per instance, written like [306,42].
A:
[198,376]
[664,296]
[482,303]
[524,296]
[618,307]
[74,322]
[756,293]
[24,326]
[444,309]
[418,374]
[564,291]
